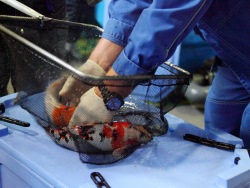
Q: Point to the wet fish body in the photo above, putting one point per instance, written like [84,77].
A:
[100,137]
[118,138]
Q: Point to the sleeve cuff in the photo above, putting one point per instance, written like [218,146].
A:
[117,32]
[123,66]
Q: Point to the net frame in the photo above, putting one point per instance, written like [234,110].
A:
[177,80]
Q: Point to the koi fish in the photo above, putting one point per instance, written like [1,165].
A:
[115,137]
[96,138]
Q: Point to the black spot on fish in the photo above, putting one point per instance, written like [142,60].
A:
[86,131]
[61,134]
[102,135]
[52,132]
[115,134]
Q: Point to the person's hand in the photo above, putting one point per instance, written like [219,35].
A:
[59,114]
[90,110]
[73,89]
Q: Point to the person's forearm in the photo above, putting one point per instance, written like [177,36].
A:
[105,53]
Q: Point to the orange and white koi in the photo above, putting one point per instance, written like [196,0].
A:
[114,137]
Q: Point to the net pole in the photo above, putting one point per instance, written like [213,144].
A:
[23,8]
[45,53]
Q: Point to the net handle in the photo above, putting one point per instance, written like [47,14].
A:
[86,77]
[42,51]
[23,8]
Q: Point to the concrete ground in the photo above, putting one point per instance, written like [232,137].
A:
[189,113]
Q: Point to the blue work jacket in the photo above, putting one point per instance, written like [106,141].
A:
[151,30]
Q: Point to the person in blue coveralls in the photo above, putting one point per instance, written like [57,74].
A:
[140,35]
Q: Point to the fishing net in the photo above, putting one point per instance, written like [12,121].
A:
[47,50]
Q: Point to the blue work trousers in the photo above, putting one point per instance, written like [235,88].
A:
[227,105]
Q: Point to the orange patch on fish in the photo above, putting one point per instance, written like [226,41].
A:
[62,115]
[117,133]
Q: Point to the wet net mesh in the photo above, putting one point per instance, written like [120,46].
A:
[45,50]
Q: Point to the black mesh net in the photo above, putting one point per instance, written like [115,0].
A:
[47,50]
